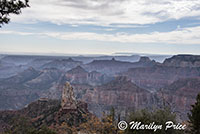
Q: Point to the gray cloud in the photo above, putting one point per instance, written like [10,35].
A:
[163,15]
[179,36]
[106,12]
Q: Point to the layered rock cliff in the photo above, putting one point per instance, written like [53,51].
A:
[120,93]
[156,77]
[29,85]
[62,64]
[181,94]
[26,87]
[183,61]
[112,67]
[78,75]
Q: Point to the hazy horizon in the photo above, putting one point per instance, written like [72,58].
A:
[85,54]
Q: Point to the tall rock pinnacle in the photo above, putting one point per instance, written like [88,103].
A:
[68,99]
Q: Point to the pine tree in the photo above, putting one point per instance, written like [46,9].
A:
[194,117]
[8,7]
[159,116]
[112,114]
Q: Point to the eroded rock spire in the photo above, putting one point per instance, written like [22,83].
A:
[68,100]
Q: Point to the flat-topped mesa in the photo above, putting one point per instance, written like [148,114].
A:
[68,101]
[183,61]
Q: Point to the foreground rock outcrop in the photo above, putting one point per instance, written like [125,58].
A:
[45,112]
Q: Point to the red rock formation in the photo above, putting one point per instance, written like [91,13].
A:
[120,93]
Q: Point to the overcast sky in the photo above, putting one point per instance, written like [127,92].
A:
[104,27]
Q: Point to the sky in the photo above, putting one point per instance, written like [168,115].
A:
[104,27]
